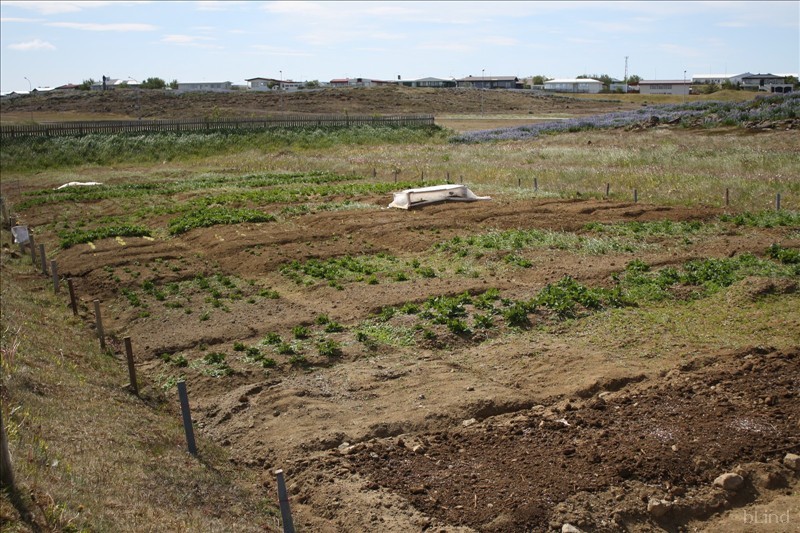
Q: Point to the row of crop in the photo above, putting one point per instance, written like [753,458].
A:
[170,188]
[480,316]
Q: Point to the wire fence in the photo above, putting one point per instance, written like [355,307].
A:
[59,129]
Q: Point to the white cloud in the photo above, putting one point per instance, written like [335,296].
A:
[18,19]
[197,41]
[500,41]
[732,24]
[56,8]
[215,5]
[90,26]
[279,51]
[36,44]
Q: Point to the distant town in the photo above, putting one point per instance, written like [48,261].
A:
[592,84]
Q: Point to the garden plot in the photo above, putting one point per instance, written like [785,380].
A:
[441,366]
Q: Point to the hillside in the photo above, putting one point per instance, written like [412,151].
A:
[79,105]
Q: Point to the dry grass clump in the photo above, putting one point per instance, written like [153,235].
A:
[88,455]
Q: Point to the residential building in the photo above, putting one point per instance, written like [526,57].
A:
[428,82]
[674,87]
[574,85]
[762,82]
[197,86]
[718,79]
[489,82]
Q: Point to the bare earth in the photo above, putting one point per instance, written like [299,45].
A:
[503,433]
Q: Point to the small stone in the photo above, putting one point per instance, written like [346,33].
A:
[729,481]
[792,460]
[417,489]
[468,422]
[419,448]
[658,508]
[569,528]
[470,389]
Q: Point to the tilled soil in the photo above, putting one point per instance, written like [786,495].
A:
[499,432]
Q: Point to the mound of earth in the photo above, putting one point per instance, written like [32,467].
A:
[161,104]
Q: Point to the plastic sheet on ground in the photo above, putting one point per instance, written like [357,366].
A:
[410,198]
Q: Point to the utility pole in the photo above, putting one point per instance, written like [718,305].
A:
[625,79]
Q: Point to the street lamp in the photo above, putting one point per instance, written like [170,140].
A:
[483,82]
[30,92]
[685,90]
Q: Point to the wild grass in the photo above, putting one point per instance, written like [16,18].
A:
[57,415]
[39,153]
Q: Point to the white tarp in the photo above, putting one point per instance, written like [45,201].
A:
[438,193]
[78,184]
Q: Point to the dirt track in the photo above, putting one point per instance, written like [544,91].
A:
[505,432]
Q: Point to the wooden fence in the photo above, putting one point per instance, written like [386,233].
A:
[58,129]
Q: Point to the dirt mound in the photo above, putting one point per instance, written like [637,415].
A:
[157,104]
[605,458]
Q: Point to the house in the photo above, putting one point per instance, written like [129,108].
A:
[674,87]
[762,82]
[212,86]
[576,85]
[261,84]
[718,79]
[359,82]
[428,82]
[488,82]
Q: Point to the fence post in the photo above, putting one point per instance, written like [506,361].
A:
[727,197]
[374,172]
[72,300]
[43,257]
[99,321]
[448,177]
[778,202]
[54,271]
[32,243]
[461,179]
[535,184]
[635,196]
[4,211]
[187,417]
[519,182]
[608,189]
[131,367]
[283,500]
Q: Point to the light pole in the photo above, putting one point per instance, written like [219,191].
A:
[685,89]
[30,92]
[483,82]
[280,89]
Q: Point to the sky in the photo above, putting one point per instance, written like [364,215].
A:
[51,43]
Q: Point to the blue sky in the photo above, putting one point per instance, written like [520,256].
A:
[53,43]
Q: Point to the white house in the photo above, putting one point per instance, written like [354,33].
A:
[674,87]
[213,86]
[576,85]
[718,79]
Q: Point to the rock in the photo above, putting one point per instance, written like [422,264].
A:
[569,528]
[419,449]
[468,422]
[729,481]
[417,489]
[658,508]
[792,460]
